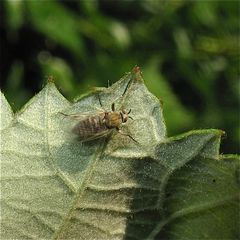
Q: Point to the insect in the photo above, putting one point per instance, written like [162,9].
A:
[90,127]
[98,125]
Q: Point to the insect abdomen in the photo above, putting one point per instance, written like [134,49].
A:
[89,127]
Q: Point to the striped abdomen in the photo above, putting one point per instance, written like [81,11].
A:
[90,127]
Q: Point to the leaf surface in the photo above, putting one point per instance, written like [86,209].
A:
[199,194]
[54,187]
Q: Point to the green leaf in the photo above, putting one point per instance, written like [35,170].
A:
[180,118]
[15,17]
[199,190]
[53,187]
[5,112]
[57,23]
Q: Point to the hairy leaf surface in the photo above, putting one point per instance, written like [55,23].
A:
[55,187]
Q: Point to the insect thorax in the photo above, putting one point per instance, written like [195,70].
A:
[112,119]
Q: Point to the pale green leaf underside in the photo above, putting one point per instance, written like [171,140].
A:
[6,114]
[53,187]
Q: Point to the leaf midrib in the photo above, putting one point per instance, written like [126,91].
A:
[81,190]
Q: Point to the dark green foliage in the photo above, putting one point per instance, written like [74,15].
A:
[188,52]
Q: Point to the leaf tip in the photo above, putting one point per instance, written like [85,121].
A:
[223,134]
[137,73]
[50,79]
[136,69]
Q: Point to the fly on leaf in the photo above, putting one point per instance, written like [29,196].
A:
[90,127]
[102,123]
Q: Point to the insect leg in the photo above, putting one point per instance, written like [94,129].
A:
[113,107]
[100,102]
[125,134]
[125,90]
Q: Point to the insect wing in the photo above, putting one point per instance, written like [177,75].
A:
[69,121]
[80,116]
[86,126]
[97,135]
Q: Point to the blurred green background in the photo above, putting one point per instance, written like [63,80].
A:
[188,52]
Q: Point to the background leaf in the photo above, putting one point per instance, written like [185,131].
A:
[200,192]
[203,200]
[188,51]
